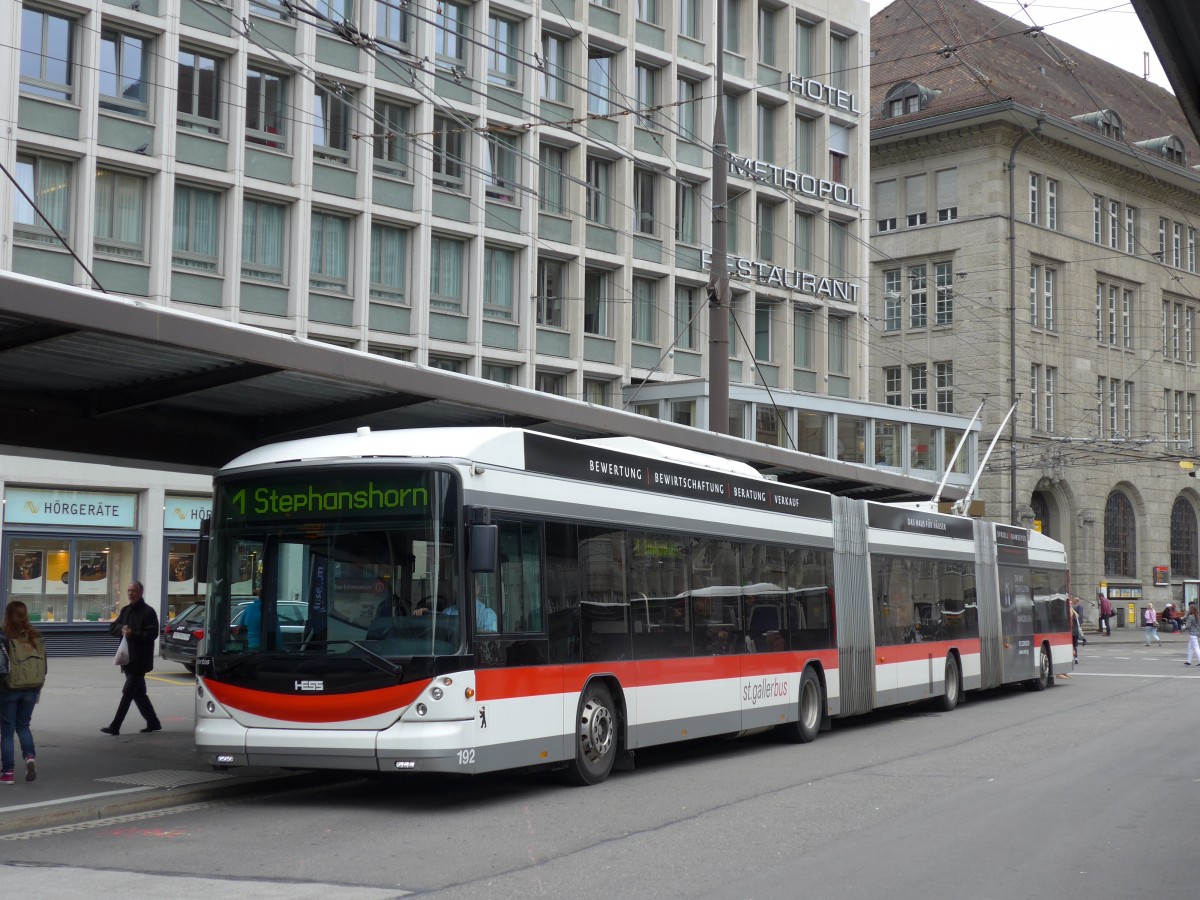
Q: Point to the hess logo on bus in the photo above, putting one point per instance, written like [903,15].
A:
[310,685]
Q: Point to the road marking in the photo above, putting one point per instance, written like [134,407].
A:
[1134,675]
[75,799]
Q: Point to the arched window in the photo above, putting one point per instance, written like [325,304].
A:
[1184,563]
[1120,537]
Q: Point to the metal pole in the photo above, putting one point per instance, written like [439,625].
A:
[718,277]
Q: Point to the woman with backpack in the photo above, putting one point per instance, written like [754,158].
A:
[20,688]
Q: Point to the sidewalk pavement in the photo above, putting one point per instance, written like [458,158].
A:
[84,775]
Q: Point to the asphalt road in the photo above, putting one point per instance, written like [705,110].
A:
[1086,790]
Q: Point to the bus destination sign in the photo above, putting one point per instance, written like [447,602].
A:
[340,497]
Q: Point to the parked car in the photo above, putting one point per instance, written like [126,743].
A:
[181,635]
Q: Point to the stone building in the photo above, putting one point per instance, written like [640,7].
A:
[1034,226]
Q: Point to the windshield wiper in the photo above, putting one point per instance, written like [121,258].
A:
[380,662]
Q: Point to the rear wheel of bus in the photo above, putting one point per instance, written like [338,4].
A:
[952,688]
[598,724]
[811,707]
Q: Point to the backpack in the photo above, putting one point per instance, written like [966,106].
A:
[26,665]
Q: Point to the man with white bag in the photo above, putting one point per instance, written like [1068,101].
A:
[137,625]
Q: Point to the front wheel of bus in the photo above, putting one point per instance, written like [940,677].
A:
[596,737]
[812,705]
[1045,675]
[950,696]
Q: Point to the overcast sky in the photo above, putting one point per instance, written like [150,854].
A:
[1105,28]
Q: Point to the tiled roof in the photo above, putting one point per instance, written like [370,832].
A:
[1000,60]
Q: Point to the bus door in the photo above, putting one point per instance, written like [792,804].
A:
[1016,624]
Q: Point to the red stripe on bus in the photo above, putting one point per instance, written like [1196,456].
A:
[902,653]
[315,708]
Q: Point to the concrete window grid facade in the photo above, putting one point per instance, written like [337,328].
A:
[289,122]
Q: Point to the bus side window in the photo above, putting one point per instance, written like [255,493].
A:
[517,599]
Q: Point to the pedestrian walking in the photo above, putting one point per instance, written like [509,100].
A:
[1106,613]
[138,624]
[1192,624]
[1077,607]
[20,689]
[1150,621]
[1076,632]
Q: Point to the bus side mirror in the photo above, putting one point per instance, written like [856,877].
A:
[484,542]
[200,572]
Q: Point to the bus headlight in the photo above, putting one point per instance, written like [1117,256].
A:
[436,693]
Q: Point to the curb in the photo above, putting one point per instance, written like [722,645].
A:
[249,786]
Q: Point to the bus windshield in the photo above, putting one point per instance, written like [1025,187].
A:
[359,563]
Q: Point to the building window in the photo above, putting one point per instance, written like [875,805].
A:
[551,383]
[645,309]
[839,240]
[687,96]
[733,26]
[765,220]
[802,338]
[1035,198]
[199,92]
[332,123]
[120,214]
[892,300]
[943,373]
[552,179]
[885,206]
[449,144]
[596,290]
[687,201]
[733,130]
[197,229]
[501,173]
[805,143]
[450,30]
[446,256]
[839,61]
[945,188]
[263,240]
[1114,224]
[768,27]
[504,37]
[447,364]
[918,387]
[1035,389]
[646,86]
[918,298]
[600,84]
[498,373]
[389,263]
[916,202]
[893,388]
[47,51]
[554,67]
[392,23]
[647,11]
[599,189]
[1050,393]
[1120,536]
[48,182]
[687,306]
[804,240]
[390,146]
[839,338]
[124,62]
[645,184]
[944,291]
[687,18]
[1130,229]
[551,281]
[329,253]
[1052,204]
[766,133]
[1184,545]
[499,276]
[266,108]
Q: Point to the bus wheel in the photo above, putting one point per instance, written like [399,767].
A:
[812,705]
[949,699]
[596,737]
[1045,675]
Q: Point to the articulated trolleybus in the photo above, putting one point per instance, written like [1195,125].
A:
[474,599]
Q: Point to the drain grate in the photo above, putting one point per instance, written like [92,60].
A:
[167,778]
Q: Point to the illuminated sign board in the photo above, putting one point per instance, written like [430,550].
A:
[338,497]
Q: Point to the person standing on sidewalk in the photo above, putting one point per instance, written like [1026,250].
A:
[20,689]
[1150,620]
[1192,624]
[1106,613]
[138,624]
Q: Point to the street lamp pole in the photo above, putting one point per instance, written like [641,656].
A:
[718,277]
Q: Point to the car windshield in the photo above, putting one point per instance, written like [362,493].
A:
[336,562]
